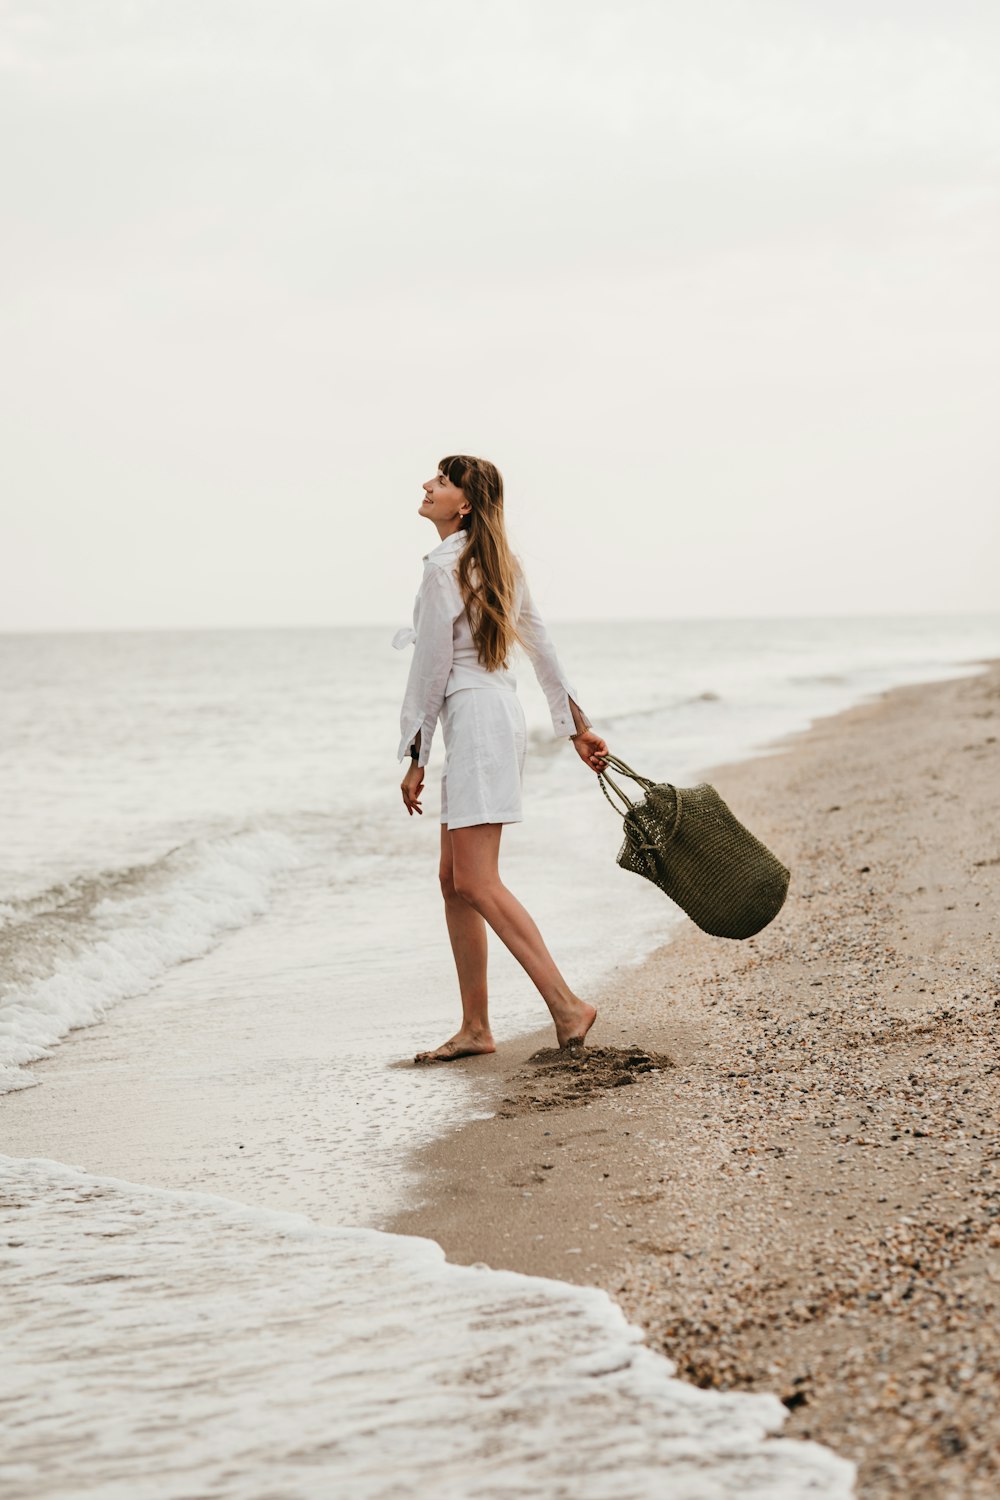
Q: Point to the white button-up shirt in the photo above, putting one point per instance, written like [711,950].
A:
[445,657]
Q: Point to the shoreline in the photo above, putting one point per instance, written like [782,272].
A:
[804,1196]
[221,1074]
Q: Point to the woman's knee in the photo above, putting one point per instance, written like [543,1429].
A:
[455,887]
[446,875]
[471,888]
[474,864]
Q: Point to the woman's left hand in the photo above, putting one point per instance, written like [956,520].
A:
[411,787]
[591,749]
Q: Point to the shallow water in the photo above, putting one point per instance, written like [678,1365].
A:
[164,1345]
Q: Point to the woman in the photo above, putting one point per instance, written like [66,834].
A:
[472,606]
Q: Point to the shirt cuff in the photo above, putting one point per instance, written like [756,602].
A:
[563,722]
[406,742]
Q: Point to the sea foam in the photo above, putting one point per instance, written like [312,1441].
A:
[164,1344]
[78,949]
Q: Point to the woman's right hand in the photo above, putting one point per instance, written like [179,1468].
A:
[591,749]
[412,786]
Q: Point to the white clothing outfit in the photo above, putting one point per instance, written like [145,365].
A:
[485,739]
[481,716]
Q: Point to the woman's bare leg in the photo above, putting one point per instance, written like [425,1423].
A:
[467,932]
[475,853]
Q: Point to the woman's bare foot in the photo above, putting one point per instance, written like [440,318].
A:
[572,1027]
[462,1044]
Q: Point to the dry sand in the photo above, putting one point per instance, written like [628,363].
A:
[781,1156]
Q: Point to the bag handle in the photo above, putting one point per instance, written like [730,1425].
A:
[622,768]
[643,781]
[606,781]
[619,765]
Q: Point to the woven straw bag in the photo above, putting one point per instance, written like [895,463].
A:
[686,841]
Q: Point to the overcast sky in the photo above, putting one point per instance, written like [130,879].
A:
[716,285]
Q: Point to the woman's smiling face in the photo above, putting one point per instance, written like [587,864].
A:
[443,501]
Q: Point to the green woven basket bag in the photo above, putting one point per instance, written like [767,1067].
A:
[686,841]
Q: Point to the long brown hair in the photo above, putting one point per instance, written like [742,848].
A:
[487,572]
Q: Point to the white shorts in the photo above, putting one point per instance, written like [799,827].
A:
[485,739]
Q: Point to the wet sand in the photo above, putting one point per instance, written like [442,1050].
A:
[781,1157]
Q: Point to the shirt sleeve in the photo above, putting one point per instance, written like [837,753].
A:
[551,678]
[438,606]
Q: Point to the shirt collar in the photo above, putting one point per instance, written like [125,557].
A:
[453,543]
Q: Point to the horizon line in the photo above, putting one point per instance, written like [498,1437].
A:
[974,614]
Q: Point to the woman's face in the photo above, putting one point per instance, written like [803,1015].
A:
[443,501]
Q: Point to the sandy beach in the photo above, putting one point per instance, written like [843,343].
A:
[780,1156]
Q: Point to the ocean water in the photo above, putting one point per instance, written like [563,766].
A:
[172,1345]
[165,790]
[204,847]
